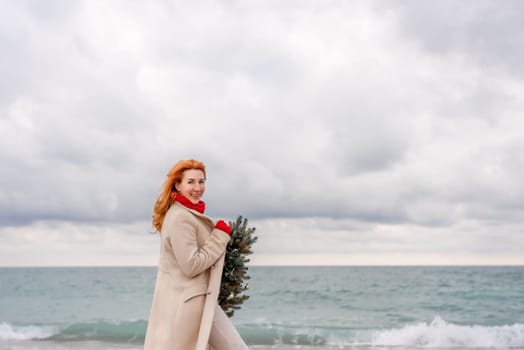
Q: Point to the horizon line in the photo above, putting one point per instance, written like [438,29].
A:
[277,265]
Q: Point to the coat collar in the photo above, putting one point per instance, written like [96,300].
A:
[196,213]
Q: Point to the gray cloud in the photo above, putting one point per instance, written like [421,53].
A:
[483,31]
[402,114]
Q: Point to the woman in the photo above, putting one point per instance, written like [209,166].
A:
[184,312]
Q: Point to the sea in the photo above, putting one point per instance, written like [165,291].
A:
[314,308]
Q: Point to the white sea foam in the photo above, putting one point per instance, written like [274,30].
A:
[442,334]
[10,332]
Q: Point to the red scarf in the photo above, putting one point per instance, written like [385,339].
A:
[200,206]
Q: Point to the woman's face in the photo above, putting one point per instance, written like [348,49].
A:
[193,185]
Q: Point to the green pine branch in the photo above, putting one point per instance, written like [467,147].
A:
[234,276]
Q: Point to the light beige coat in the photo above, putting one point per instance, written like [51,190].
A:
[188,281]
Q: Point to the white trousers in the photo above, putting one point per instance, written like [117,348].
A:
[224,335]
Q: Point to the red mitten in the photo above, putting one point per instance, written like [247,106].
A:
[223,226]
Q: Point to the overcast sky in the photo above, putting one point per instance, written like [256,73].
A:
[347,132]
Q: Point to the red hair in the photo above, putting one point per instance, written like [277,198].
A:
[174,176]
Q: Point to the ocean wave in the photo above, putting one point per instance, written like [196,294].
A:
[273,334]
[441,334]
[436,334]
[10,332]
[128,332]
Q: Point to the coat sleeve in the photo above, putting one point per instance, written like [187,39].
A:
[192,259]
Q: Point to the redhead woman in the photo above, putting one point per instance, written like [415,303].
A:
[184,312]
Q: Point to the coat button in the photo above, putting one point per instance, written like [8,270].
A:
[212,266]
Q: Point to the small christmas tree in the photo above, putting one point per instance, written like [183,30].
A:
[234,275]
